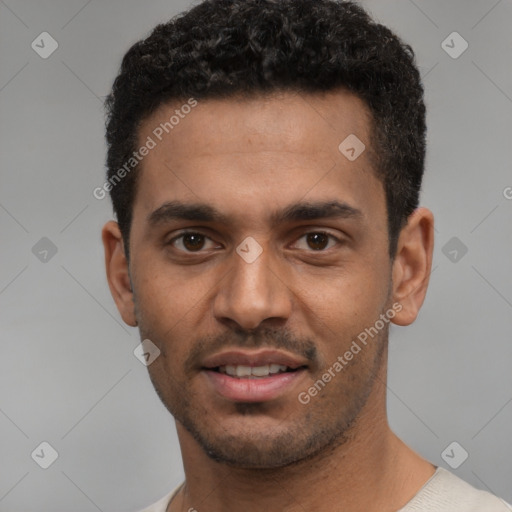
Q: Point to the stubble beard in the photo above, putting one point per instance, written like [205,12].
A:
[321,427]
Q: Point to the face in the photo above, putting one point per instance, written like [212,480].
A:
[256,242]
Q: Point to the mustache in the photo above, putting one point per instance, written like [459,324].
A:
[262,338]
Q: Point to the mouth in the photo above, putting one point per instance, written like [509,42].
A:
[254,372]
[253,377]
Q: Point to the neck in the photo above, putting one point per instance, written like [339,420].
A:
[371,470]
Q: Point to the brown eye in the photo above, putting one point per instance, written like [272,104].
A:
[317,241]
[193,241]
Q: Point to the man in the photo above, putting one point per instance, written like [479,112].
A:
[265,160]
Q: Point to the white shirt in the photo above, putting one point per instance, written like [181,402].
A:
[443,492]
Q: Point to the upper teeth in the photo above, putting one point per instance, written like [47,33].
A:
[247,371]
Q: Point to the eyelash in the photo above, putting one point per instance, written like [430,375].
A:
[318,232]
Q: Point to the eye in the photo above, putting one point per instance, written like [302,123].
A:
[317,241]
[191,241]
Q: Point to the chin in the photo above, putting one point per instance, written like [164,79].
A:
[277,446]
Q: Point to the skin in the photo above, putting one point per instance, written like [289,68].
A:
[195,297]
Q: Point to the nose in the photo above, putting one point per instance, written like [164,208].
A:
[252,293]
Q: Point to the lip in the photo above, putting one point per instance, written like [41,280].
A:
[260,389]
[254,358]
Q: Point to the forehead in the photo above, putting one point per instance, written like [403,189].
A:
[297,121]
[257,152]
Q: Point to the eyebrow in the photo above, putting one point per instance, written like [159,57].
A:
[315,210]
[176,210]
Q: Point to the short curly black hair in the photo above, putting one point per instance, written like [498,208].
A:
[221,48]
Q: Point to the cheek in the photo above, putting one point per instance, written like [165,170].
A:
[356,291]
[171,311]
[338,309]
[165,295]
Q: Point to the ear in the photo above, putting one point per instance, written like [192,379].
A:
[118,275]
[412,265]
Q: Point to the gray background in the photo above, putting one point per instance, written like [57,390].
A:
[68,375]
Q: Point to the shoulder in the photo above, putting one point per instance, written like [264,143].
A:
[446,492]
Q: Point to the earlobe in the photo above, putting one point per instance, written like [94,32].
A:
[117,270]
[412,265]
